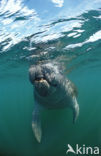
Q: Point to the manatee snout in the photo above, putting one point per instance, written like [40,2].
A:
[35,74]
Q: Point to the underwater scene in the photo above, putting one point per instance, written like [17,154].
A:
[65,33]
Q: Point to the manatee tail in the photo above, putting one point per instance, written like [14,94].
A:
[36,125]
[75,109]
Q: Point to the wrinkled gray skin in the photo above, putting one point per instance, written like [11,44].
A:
[51,91]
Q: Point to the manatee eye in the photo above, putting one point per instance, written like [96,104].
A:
[54,81]
[54,84]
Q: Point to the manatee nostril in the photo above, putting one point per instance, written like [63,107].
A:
[39,77]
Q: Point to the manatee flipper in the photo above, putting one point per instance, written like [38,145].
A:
[75,109]
[36,123]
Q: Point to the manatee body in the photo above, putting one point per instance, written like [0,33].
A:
[52,90]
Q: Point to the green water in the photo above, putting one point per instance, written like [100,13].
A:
[65,32]
[16,105]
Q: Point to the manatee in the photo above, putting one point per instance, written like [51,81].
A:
[52,90]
